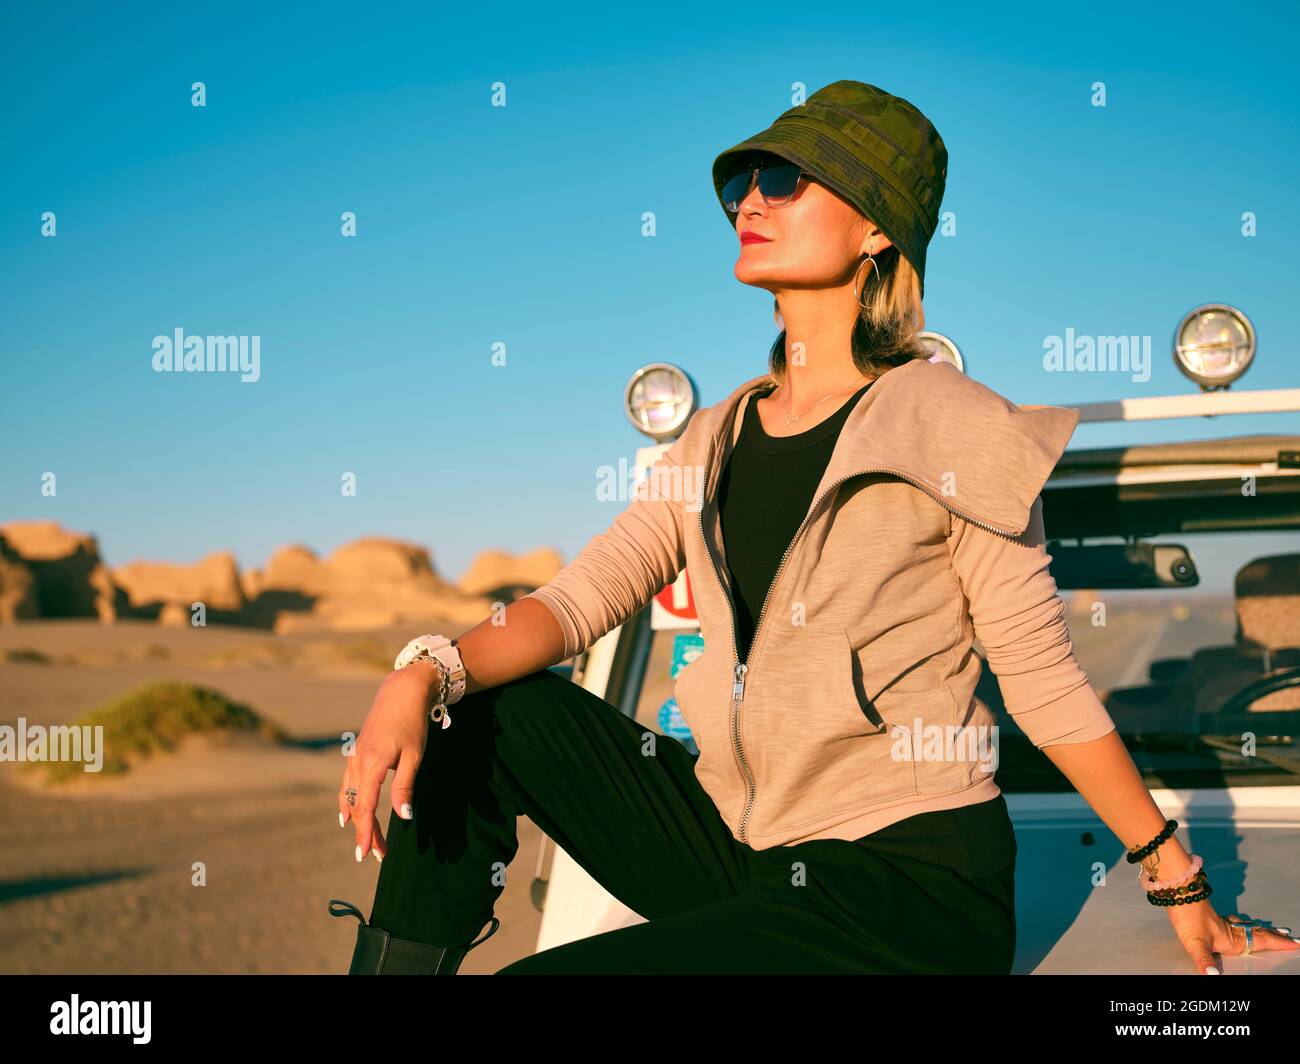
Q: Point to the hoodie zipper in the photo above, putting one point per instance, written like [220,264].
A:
[741,668]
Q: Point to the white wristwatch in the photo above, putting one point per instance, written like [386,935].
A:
[444,651]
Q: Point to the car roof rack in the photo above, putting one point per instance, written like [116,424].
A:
[1227,457]
[1203,404]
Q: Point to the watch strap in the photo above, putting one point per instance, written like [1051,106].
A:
[445,652]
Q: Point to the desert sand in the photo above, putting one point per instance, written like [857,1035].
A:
[96,877]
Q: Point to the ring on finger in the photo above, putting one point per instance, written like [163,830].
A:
[1247,928]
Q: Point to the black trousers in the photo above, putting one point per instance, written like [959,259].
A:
[624,802]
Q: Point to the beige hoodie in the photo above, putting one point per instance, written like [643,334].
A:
[856,705]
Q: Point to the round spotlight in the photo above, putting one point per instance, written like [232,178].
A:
[1214,345]
[940,345]
[659,399]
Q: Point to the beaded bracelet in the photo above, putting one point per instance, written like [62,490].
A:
[1196,890]
[1134,856]
[1182,888]
[1186,900]
[1166,884]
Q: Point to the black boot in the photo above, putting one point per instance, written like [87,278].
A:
[379,953]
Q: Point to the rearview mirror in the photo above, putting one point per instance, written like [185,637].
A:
[1118,565]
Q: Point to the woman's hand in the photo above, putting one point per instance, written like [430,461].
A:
[1204,932]
[393,736]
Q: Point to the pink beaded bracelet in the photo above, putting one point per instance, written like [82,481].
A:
[1183,880]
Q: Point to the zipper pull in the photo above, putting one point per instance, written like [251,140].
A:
[738,689]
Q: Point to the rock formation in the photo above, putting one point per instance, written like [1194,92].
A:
[167,590]
[69,578]
[369,583]
[47,571]
[17,586]
[499,575]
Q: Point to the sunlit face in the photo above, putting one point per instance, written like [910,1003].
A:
[816,240]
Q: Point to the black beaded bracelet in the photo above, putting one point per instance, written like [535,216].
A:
[1187,899]
[1134,856]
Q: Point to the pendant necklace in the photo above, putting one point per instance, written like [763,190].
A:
[791,416]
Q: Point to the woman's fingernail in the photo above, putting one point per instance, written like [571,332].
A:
[341,820]
[406,811]
[1211,971]
[359,855]
[377,855]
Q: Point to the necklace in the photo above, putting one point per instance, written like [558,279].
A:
[791,416]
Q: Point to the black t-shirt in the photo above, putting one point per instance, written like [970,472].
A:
[764,493]
[766,488]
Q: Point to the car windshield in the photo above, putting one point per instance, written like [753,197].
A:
[1175,666]
[1127,639]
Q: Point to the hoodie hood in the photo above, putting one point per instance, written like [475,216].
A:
[979,454]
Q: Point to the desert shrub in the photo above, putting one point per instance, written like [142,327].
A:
[155,717]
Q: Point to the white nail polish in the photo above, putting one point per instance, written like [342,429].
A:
[341,820]
[377,855]
[1211,971]
[359,855]
[406,811]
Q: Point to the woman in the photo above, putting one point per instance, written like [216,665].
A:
[851,521]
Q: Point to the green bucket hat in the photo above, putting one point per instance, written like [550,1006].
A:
[875,149]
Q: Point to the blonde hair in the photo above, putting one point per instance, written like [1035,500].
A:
[884,332]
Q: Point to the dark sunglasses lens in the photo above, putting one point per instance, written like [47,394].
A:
[778,182]
[736,188]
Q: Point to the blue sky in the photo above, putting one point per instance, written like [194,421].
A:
[522,225]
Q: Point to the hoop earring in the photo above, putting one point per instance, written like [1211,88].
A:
[871,260]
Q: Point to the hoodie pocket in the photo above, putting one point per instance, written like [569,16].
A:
[832,753]
[833,695]
[881,714]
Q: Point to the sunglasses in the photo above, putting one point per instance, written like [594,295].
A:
[778,180]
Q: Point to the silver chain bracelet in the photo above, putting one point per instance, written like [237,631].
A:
[438,709]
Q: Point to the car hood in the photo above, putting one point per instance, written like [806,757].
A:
[1072,921]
